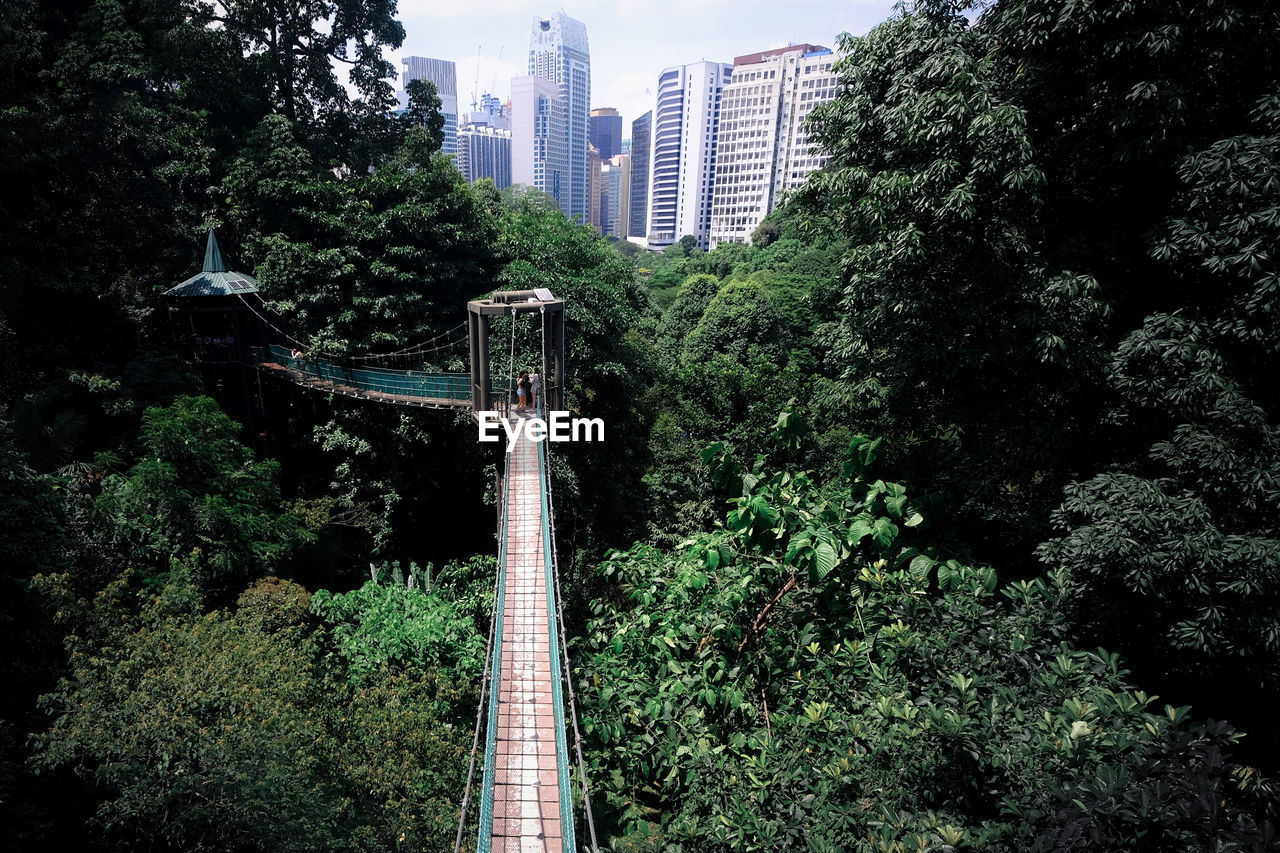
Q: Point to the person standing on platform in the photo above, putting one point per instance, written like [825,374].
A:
[535,388]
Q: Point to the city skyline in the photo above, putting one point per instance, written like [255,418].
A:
[631,43]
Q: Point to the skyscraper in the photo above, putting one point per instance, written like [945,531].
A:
[485,152]
[606,131]
[685,125]
[615,195]
[638,224]
[444,75]
[539,156]
[593,187]
[558,52]
[764,150]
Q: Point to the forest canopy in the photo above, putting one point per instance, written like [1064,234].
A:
[944,515]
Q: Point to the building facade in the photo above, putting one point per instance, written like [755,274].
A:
[686,122]
[539,140]
[606,132]
[559,54]
[485,152]
[444,74]
[615,196]
[764,149]
[593,187]
[641,132]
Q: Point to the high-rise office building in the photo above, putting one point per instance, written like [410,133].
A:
[764,149]
[444,75]
[539,153]
[685,125]
[558,52]
[606,131]
[638,221]
[615,196]
[593,187]
[485,152]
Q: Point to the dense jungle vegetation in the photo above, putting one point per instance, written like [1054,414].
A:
[945,516]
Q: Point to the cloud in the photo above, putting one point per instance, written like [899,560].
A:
[627,94]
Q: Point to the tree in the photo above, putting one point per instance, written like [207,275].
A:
[424,109]
[196,487]
[370,262]
[195,727]
[849,685]
[739,320]
[220,731]
[393,625]
[1175,552]
[954,335]
[291,51]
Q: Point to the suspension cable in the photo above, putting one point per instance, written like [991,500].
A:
[281,332]
[542,376]
[421,348]
[484,693]
[511,371]
[564,653]
[555,566]
[415,348]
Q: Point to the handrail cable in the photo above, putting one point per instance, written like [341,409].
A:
[415,349]
[484,692]
[420,348]
[564,643]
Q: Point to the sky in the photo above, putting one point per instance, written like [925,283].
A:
[631,40]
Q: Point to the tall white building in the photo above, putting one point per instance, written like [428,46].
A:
[764,150]
[485,152]
[686,121]
[539,140]
[444,74]
[615,196]
[558,52]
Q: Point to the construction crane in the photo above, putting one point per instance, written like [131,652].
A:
[475,87]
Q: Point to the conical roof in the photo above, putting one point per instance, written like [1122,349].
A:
[215,279]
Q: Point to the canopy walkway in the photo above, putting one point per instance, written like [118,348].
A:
[382,385]
[526,800]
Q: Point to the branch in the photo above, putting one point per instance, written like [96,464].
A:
[761,616]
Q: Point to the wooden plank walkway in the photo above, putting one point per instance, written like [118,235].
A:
[530,772]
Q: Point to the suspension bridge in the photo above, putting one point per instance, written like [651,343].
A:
[521,744]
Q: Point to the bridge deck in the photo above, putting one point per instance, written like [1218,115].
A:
[527,765]
[307,380]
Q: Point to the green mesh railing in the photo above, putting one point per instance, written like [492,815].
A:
[374,380]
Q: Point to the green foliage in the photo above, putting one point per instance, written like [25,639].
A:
[366,262]
[1179,551]
[815,675]
[956,336]
[424,109]
[740,320]
[205,731]
[197,726]
[274,604]
[401,627]
[196,487]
